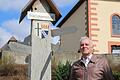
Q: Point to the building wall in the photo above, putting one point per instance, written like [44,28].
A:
[100,23]
[70,42]
[15,57]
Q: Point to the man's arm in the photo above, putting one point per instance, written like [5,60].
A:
[71,74]
[107,71]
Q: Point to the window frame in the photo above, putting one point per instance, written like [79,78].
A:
[110,43]
[114,35]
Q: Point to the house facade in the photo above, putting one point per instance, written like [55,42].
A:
[98,19]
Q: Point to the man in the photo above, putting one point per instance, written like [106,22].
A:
[90,66]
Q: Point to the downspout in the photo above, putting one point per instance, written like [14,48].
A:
[88,18]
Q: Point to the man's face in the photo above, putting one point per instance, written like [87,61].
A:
[86,47]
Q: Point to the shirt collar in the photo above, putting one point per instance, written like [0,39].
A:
[91,57]
[88,57]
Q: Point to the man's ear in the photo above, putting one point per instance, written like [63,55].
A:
[93,45]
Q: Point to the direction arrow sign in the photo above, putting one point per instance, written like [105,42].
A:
[41,16]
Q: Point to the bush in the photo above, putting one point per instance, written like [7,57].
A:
[11,71]
[116,75]
[7,64]
[62,71]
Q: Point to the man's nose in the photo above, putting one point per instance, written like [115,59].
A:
[84,46]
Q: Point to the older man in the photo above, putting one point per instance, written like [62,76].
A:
[90,66]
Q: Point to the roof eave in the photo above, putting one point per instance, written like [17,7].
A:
[25,9]
[70,13]
[55,10]
[51,4]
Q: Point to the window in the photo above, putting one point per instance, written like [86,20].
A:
[115,49]
[115,25]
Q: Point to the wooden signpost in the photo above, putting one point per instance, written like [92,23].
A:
[42,14]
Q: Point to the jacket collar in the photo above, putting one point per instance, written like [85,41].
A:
[92,60]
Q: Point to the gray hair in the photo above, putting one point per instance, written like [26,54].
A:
[85,37]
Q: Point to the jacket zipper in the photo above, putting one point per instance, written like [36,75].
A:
[85,73]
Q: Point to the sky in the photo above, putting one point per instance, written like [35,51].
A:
[9,18]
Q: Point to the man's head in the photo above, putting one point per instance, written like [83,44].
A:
[86,46]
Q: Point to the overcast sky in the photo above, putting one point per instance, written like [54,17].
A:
[10,13]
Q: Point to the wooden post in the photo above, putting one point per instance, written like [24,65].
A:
[41,53]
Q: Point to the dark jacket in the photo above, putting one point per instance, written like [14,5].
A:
[98,69]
